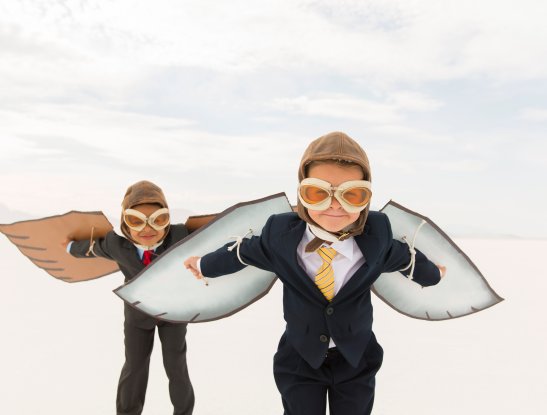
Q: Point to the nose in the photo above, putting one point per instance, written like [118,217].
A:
[335,204]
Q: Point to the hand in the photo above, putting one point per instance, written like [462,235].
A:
[192,264]
[442,270]
[65,243]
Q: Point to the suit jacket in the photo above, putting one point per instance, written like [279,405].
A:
[122,250]
[311,319]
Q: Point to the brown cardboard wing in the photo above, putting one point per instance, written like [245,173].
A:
[195,222]
[41,240]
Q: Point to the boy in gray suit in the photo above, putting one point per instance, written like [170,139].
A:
[148,232]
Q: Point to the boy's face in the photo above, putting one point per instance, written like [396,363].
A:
[148,236]
[335,218]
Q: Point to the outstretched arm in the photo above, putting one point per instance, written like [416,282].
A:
[425,272]
[399,258]
[92,248]
[231,258]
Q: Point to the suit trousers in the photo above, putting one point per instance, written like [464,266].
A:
[304,390]
[139,330]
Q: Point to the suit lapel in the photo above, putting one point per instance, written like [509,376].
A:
[370,247]
[135,259]
[160,250]
[300,278]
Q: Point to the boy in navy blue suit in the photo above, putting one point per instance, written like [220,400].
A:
[327,256]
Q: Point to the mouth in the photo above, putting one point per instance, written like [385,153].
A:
[330,215]
[147,236]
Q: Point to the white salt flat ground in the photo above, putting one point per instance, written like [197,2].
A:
[62,347]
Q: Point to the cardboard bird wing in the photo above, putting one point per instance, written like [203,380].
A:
[462,291]
[168,291]
[40,241]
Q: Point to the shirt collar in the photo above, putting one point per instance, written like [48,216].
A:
[344,248]
[140,251]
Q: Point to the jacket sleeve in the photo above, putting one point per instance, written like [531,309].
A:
[398,257]
[253,251]
[178,232]
[102,247]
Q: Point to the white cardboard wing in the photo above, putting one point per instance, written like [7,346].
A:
[462,291]
[168,291]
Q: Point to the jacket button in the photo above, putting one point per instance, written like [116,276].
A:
[323,338]
[329,311]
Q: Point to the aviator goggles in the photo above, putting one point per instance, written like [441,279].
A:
[317,194]
[137,220]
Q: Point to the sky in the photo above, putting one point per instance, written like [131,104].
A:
[216,101]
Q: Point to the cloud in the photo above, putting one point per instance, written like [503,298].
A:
[62,157]
[8,215]
[208,95]
[389,41]
[533,114]
[338,106]
[413,101]
[391,110]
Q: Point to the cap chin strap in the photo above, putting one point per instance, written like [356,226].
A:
[323,234]
[148,248]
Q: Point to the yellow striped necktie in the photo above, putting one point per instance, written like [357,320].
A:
[324,279]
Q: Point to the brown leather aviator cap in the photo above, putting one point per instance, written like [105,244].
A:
[140,193]
[335,146]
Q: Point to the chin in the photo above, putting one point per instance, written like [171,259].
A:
[148,242]
[332,227]
[333,221]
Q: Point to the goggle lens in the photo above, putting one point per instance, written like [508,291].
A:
[357,196]
[133,221]
[313,194]
[162,220]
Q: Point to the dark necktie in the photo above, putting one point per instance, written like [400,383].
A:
[147,257]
